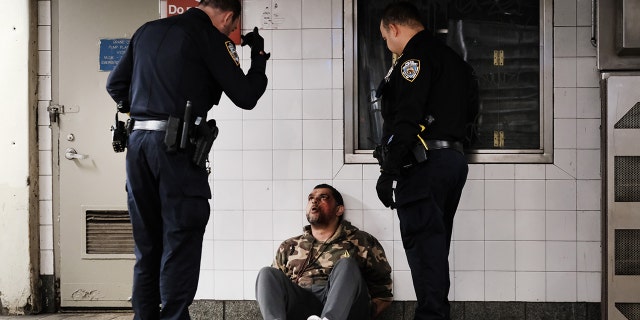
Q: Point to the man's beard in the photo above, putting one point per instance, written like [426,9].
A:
[316,219]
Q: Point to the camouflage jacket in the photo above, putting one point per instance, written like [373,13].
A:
[294,258]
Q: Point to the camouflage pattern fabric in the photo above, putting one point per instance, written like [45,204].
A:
[307,261]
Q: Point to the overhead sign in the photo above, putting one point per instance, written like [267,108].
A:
[176,7]
[111,51]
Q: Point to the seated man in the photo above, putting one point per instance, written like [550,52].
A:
[333,269]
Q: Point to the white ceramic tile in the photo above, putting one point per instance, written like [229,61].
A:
[44,38]
[257,165]
[225,110]
[400,262]
[44,13]
[588,103]
[317,104]
[206,261]
[43,115]
[286,224]
[530,256]
[499,171]
[564,105]
[584,12]
[588,226]
[337,43]
[499,256]
[468,225]
[588,73]
[227,195]
[499,225]
[564,13]
[561,194]
[379,223]
[565,131]
[316,134]
[561,225]
[564,165]
[287,74]
[316,44]
[351,191]
[46,237]
[250,284]
[287,164]
[337,67]
[287,195]
[229,285]
[476,172]
[499,194]
[209,229]
[287,104]
[44,87]
[316,164]
[338,139]
[499,286]
[337,14]
[263,109]
[45,209]
[469,285]
[46,262]
[258,195]
[254,13]
[530,194]
[530,225]
[228,255]
[530,286]
[589,194]
[588,133]
[286,14]
[584,46]
[561,286]
[369,196]
[469,255]
[45,163]
[287,44]
[256,226]
[561,256]
[45,188]
[403,286]
[356,217]
[370,171]
[317,74]
[473,195]
[588,164]
[205,285]
[287,134]
[230,136]
[589,256]
[317,14]
[565,72]
[227,225]
[349,171]
[338,103]
[44,63]
[589,284]
[564,42]
[387,246]
[258,254]
[227,165]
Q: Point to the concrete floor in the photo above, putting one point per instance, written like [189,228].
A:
[74,316]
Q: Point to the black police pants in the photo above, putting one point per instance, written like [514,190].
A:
[426,226]
[345,297]
[169,209]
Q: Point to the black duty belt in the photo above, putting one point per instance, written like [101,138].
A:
[444,144]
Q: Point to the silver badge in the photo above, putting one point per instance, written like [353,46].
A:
[232,52]
[410,69]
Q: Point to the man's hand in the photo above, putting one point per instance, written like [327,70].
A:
[256,42]
[384,187]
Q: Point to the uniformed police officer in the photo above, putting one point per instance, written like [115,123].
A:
[169,62]
[428,96]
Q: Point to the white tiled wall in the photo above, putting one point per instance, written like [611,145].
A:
[523,232]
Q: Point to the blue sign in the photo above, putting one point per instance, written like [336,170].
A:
[111,51]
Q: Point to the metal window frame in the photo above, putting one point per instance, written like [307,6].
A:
[542,155]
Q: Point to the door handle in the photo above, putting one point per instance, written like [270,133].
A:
[71,154]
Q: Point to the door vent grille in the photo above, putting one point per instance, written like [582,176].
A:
[627,179]
[627,251]
[631,120]
[629,310]
[109,232]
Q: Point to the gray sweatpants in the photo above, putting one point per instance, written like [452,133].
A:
[345,297]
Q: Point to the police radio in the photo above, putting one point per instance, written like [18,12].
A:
[120,135]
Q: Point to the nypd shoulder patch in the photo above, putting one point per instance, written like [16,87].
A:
[231,48]
[410,69]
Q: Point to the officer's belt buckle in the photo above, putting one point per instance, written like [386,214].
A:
[444,144]
[150,125]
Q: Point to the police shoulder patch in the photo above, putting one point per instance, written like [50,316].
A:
[231,48]
[410,69]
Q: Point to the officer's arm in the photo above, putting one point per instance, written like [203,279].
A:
[243,90]
[119,79]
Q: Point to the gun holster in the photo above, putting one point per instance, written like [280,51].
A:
[120,134]
[380,152]
[206,133]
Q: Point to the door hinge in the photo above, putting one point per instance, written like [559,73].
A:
[54,110]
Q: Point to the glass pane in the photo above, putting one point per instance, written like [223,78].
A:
[500,39]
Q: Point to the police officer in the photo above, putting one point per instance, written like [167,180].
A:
[169,62]
[427,96]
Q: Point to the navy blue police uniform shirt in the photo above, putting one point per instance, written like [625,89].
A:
[180,58]
[429,78]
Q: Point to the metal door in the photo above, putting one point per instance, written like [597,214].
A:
[621,196]
[95,257]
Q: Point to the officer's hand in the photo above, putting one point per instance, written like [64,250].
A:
[123,107]
[253,39]
[384,187]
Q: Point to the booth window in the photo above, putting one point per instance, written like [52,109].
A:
[508,43]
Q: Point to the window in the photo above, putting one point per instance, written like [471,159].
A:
[508,42]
